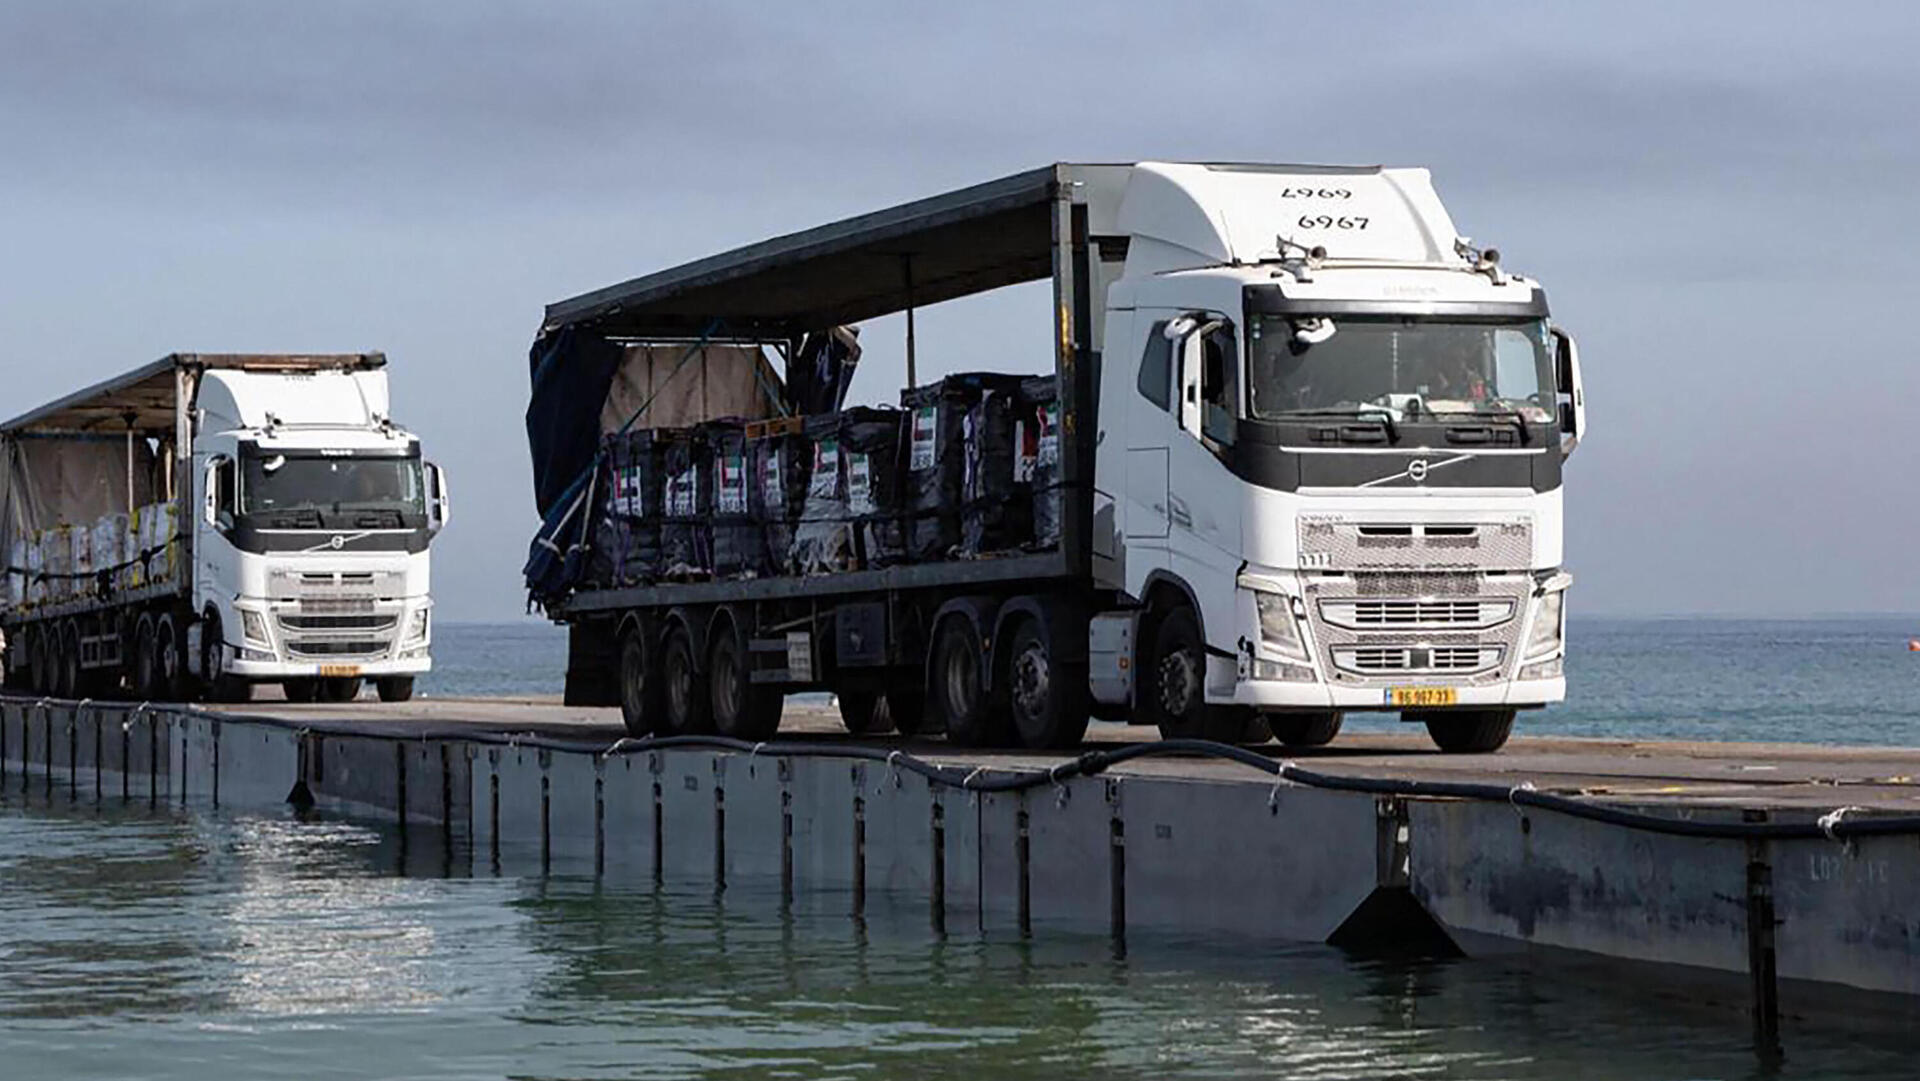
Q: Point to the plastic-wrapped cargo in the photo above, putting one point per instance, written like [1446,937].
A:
[109,547]
[37,586]
[992,516]
[17,573]
[739,543]
[870,439]
[933,494]
[626,543]
[1037,466]
[686,531]
[823,537]
[778,457]
[157,553]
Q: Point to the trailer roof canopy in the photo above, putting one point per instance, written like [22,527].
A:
[967,241]
[142,399]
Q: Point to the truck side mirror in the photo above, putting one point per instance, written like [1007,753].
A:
[217,493]
[439,502]
[1569,394]
[1188,352]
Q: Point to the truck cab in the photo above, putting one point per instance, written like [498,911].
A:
[310,543]
[1329,461]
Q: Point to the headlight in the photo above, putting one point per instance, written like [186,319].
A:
[1546,633]
[1278,629]
[253,625]
[417,627]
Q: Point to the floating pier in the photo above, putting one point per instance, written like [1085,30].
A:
[1778,877]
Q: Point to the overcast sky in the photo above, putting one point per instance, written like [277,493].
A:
[1719,202]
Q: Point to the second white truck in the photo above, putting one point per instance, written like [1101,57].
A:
[210,522]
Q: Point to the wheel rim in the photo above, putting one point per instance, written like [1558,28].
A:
[1032,680]
[679,685]
[1177,682]
[633,678]
[213,659]
[727,697]
[167,652]
[962,681]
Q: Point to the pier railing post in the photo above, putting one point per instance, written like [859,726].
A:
[1761,957]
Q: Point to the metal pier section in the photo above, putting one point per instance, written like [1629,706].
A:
[1818,923]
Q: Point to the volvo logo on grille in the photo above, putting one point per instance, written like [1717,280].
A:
[1416,471]
[339,541]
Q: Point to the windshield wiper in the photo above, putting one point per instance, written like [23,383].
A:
[1518,418]
[1362,412]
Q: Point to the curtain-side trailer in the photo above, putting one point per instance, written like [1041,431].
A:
[209,522]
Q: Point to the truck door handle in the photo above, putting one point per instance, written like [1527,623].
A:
[1469,435]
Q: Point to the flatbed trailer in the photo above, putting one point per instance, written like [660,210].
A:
[1033,226]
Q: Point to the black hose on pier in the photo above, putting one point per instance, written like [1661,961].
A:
[1841,824]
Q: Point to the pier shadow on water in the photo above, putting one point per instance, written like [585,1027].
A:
[146,941]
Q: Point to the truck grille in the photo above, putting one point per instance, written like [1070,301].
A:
[305,622]
[328,647]
[1417,614]
[1334,542]
[1369,659]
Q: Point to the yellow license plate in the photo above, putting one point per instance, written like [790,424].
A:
[339,669]
[1420,697]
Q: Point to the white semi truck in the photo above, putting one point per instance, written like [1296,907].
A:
[209,522]
[1311,443]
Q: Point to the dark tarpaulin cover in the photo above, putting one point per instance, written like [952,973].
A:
[571,371]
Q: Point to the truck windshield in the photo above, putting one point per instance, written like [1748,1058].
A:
[325,492]
[1402,367]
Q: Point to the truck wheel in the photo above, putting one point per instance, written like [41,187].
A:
[166,660]
[639,685]
[740,710]
[1173,686]
[1305,729]
[337,688]
[955,691]
[1469,731]
[41,662]
[394,688]
[146,659]
[301,690]
[860,712]
[1048,701]
[688,704]
[68,665]
[221,687]
[905,710]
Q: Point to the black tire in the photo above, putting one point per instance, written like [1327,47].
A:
[688,707]
[862,713]
[146,660]
[169,673]
[1047,700]
[905,710]
[67,667]
[340,688]
[1305,729]
[740,709]
[41,663]
[956,692]
[42,647]
[1172,686]
[301,690]
[220,686]
[394,688]
[639,685]
[1469,731]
